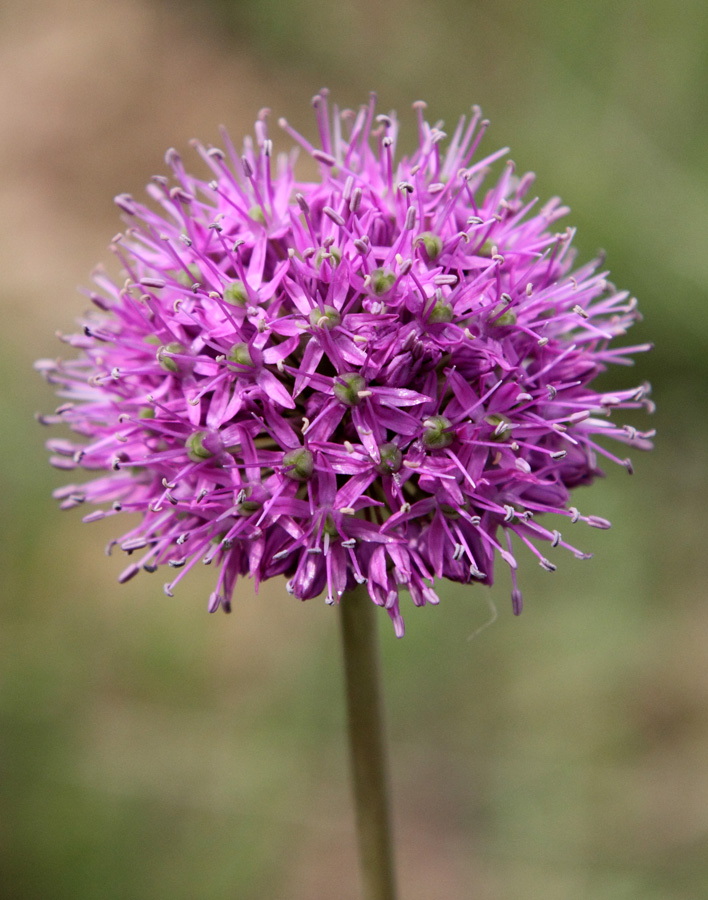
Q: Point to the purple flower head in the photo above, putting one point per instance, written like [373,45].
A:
[381,377]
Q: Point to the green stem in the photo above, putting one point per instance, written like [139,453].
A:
[366,740]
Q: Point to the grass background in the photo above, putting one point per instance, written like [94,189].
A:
[149,750]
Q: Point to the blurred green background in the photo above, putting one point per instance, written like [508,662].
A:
[149,750]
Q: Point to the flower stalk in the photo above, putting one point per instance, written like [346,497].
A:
[367,745]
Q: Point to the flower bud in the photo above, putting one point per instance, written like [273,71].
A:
[391,459]
[432,243]
[382,281]
[299,464]
[436,436]
[240,354]
[347,387]
[166,362]
[328,318]
[196,450]
[235,294]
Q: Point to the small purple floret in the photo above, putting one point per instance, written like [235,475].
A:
[379,378]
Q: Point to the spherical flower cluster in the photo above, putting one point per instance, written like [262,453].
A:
[380,377]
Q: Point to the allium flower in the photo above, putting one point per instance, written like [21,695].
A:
[382,376]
